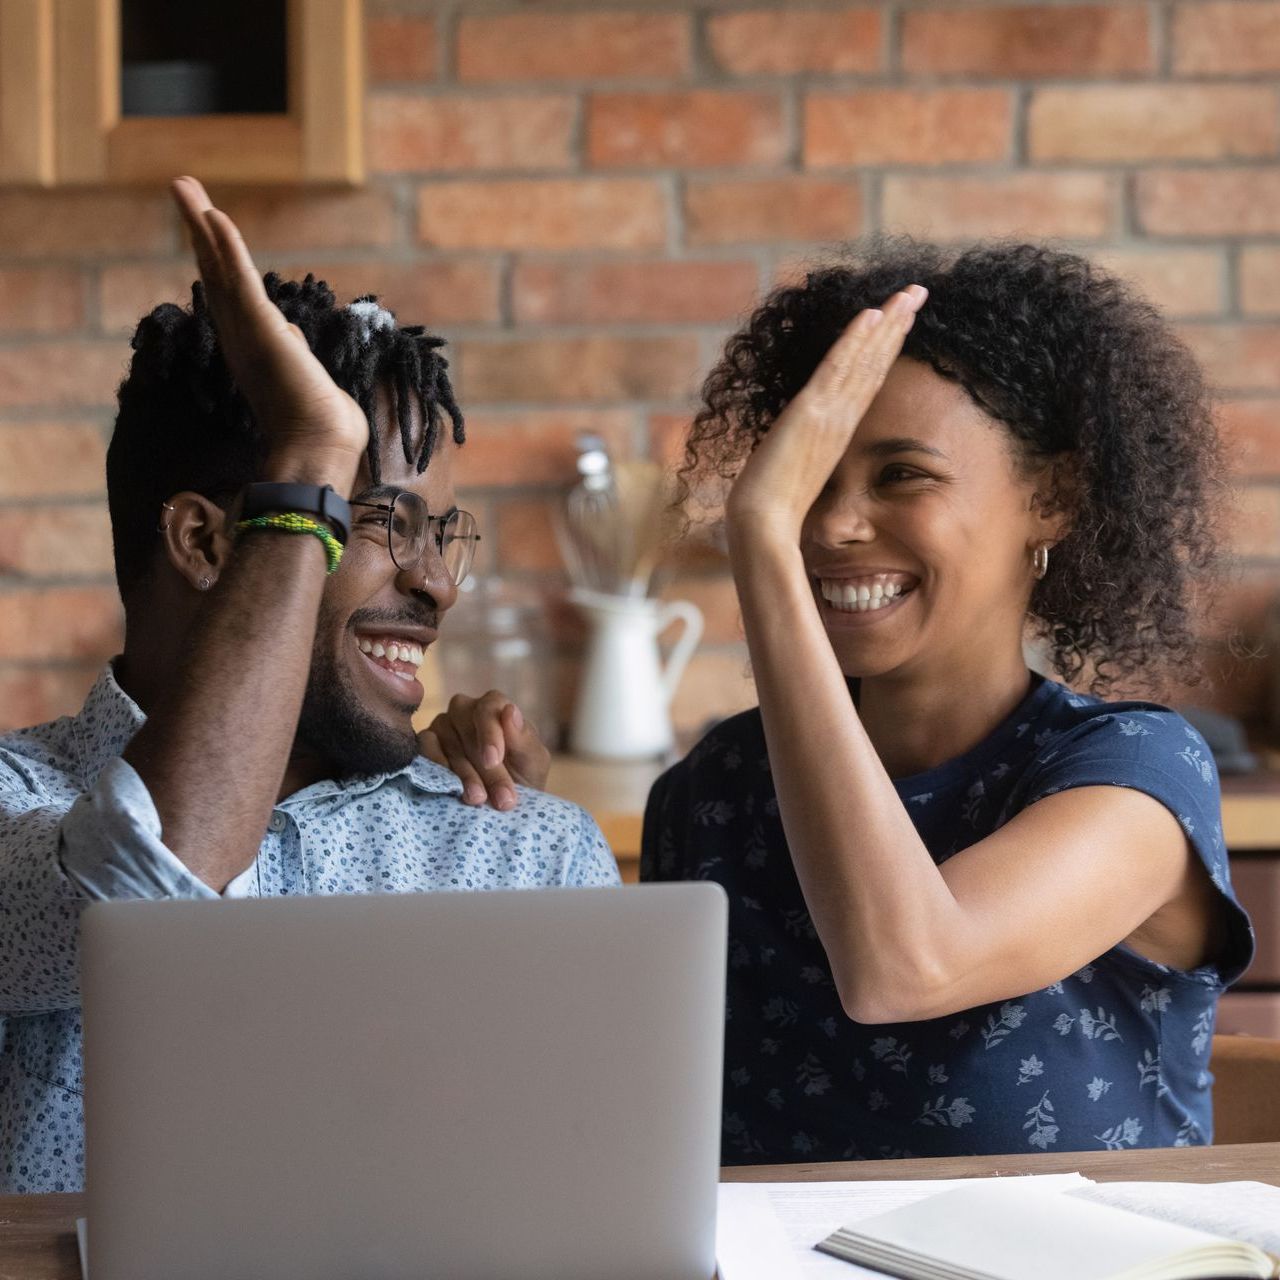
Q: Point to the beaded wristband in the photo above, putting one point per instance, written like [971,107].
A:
[292,522]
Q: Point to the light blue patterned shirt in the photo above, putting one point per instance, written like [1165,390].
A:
[78,824]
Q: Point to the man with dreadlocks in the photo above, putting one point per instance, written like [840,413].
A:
[254,737]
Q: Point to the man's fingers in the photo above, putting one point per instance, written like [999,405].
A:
[193,204]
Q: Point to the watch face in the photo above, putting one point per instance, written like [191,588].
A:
[306,499]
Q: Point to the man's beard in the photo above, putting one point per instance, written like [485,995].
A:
[334,723]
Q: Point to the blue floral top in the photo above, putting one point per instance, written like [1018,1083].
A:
[1113,1056]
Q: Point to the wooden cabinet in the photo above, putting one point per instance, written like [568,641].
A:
[67,116]
[26,91]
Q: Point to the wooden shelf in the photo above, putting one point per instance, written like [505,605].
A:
[61,119]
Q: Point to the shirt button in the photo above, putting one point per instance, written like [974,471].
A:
[277,822]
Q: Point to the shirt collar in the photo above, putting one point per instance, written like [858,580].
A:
[109,718]
[105,724]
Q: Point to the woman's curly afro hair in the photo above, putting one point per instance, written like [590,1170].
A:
[1076,367]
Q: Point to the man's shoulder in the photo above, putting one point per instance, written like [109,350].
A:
[41,758]
[534,809]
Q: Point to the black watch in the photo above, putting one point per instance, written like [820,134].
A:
[308,499]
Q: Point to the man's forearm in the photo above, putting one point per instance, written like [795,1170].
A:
[213,754]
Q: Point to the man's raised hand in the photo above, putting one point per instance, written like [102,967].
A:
[316,432]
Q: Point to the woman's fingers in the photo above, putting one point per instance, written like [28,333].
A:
[429,746]
[456,758]
[527,755]
[477,725]
[860,359]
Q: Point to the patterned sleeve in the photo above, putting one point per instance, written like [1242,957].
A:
[54,859]
[662,842]
[1155,751]
[593,861]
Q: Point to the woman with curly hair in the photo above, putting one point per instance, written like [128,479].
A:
[971,910]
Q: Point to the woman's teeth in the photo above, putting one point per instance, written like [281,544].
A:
[862,598]
[387,653]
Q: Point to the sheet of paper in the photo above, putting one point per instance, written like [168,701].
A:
[1248,1211]
[767,1230]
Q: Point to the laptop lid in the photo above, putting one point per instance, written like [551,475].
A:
[461,1085]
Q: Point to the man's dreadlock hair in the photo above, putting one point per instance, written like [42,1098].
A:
[183,424]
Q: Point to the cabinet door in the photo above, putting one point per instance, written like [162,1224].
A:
[318,139]
[26,91]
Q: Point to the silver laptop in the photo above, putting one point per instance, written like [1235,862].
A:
[455,1086]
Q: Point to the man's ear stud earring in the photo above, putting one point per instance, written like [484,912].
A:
[204,584]
[160,528]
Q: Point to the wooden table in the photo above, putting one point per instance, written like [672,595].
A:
[38,1242]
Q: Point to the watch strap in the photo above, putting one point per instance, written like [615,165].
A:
[322,501]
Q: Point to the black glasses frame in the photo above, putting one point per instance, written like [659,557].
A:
[435,530]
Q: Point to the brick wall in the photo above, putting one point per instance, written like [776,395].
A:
[584,196]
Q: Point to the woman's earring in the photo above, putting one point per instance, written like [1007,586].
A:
[160,528]
[204,584]
[1040,560]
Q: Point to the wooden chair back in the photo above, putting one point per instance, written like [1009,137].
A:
[1246,1089]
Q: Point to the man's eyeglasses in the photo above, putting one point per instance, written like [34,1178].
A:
[409,527]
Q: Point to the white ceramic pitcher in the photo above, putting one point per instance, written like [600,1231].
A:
[624,700]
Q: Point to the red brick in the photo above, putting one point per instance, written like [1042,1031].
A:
[1237,357]
[1260,279]
[526,536]
[85,224]
[704,127]
[409,134]
[1209,202]
[457,291]
[1075,205]
[569,370]
[1250,431]
[55,623]
[33,695]
[48,459]
[60,374]
[533,446]
[1255,521]
[546,213]
[636,292]
[764,210]
[128,291]
[1150,122]
[789,41]
[286,220]
[401,48]
[55,542]
[1182,282]
[907,126]
[572,46]
[40,300]
[1237,38]
[1027,41]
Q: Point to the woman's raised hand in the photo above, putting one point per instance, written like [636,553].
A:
[785,474]
[311,424]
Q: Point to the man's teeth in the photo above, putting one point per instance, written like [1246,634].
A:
[863,598]
[393,651]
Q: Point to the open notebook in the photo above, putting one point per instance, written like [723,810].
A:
[1009,1229]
